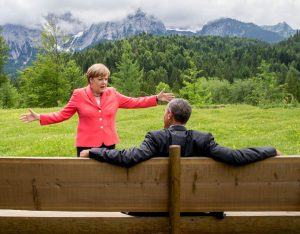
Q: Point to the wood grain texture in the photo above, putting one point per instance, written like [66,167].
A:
[174,189]
[153,225]
[206,185]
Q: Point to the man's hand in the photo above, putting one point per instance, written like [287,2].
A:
[84,154]
[278,153]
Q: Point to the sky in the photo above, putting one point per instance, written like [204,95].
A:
[191,14]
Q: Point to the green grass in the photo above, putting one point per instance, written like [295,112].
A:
[232,126]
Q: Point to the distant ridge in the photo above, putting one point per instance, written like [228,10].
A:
[23,41]
[227,27]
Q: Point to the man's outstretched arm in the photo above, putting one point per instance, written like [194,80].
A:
[128,157]
[239,156]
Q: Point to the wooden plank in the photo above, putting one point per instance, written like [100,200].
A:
[269,185]
[174,189]
[159,225]
[206,185]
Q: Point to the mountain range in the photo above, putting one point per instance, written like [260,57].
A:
[23,41]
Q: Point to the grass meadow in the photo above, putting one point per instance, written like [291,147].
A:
[232,126]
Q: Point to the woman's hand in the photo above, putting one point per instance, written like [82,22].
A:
[165,97]
[32,116]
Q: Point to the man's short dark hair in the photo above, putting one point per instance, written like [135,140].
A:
[181,109]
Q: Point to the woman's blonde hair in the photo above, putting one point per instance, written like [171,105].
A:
[96,70]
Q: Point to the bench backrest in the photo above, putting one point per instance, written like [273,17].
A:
[206,185]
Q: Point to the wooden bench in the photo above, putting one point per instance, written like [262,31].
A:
[73,184]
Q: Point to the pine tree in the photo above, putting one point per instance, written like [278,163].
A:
[8,93]
[9,96]
[266,89]
[293,82]
[52,76]
[128,77]
[3,58]
[193,89]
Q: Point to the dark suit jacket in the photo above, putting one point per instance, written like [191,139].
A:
[193,143]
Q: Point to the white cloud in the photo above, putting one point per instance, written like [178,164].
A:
[175,13]
[192,12]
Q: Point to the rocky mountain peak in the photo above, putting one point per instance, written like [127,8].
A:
[137,14]
[23,41]
[281,28]
[133,24]
[226,27]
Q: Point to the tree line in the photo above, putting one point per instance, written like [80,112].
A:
[204,70]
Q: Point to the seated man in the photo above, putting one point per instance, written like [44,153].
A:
[192,142]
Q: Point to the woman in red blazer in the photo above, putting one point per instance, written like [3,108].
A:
[97,106]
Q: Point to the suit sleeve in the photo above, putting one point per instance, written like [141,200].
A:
[237,156]
[140,102]
[67,112]
[127,157]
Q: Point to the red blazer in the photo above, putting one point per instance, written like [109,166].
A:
[97,123]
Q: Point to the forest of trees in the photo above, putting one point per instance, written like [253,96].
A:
[205,70]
